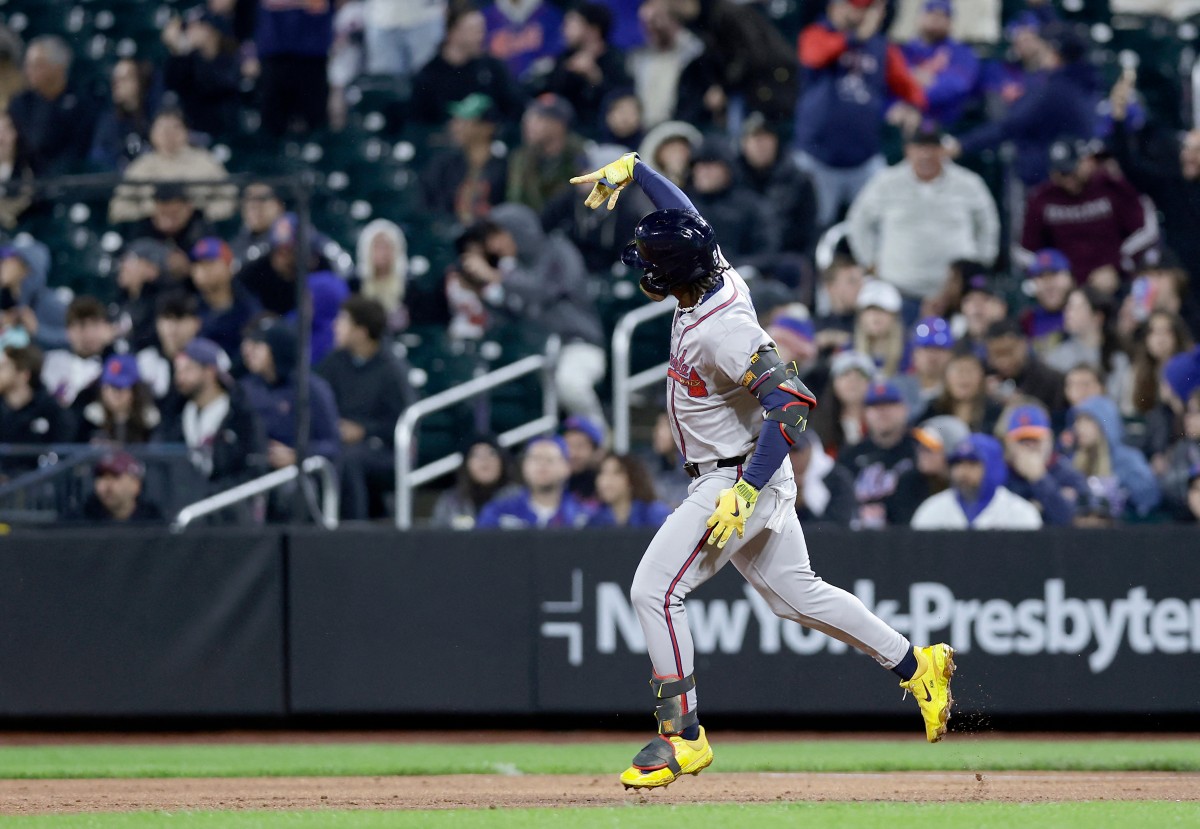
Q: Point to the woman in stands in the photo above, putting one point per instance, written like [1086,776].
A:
[486,471]
[964,393]
[627,495]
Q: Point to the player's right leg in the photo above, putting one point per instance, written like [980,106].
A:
[776,564]
[678,560]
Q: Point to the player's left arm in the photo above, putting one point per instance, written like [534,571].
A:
[786,402]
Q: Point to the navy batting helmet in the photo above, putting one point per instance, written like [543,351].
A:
[674,247]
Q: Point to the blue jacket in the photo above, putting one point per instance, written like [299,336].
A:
[1062,106]
[515,512]
[840,112]
[1057,509]
[995,473]
[954,85]
[286,27]
[38,296]
[1132,471]
[649,514]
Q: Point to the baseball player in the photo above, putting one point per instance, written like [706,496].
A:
[735,408]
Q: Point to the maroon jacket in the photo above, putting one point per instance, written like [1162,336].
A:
[1100,226]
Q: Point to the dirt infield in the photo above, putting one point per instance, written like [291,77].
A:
[18,797]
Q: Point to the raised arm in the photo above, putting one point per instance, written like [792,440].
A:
[611,179]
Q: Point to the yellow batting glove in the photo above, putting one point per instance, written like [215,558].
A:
[609,181]
[734,506]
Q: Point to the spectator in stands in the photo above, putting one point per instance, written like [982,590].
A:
[271,279]
[540,281]
[176,322]
[931,348]
[1059,105]
[261,207]
[124,412]
[626,495]
[123,128]
[824,489]
[467,181]
[849,73]
[840,420]
[878,329]
[402,35]
[964,393]
[945,68]
[1013,367]
[142,277]
[585,450]
[664,464]
[936,437]
[1161,284]
[53,116]
[1095,442]
[292,42]
[176,223]
[912,220]
[842,282]
[947,303]
[1162,337]
[621,119]
[326,291]
[1093,217]
[548,155]
[485,474]
[462,68]
[746,228]
[15,174]
[782,187]
[222,433]
[657,66]
[543,501]
[791,328]
[24,270]
[172,160]
[117,496]
[977,498]
[90,336]
[1087,322]
[1050,273]
[1175,188]
[982,305]
[202,70]
[670,147]
[371,390]
[383,269]
[877,463]
[1036,472]
[596,233]
[1176,475]
[11,78]
[525,36]
[225,306]
[590,68]
[1081,383]
[270,353]
[28,414]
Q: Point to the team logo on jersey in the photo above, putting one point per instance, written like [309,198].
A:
[686,376]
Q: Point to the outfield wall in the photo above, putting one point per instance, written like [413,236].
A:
[301,623]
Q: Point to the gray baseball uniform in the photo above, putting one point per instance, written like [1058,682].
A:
[713,417]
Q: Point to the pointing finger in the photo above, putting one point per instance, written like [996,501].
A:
[587,179]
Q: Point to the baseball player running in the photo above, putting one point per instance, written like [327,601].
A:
[735,408]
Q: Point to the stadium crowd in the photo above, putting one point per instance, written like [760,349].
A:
[989,350]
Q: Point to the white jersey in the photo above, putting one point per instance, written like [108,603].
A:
[712,415]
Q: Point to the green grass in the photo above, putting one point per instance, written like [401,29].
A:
[356,759]
[1127,815]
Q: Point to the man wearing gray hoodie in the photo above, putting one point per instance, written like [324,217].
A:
[540,281]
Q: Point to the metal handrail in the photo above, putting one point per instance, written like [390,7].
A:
[623,384]
[330,496]
[408,479]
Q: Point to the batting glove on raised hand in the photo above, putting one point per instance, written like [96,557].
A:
[609,181]
[734,506]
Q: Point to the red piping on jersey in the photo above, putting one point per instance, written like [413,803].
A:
[713,311]
[667,605]
[675,417]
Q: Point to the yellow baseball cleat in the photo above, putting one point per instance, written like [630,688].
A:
[665,758]
[931,686]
